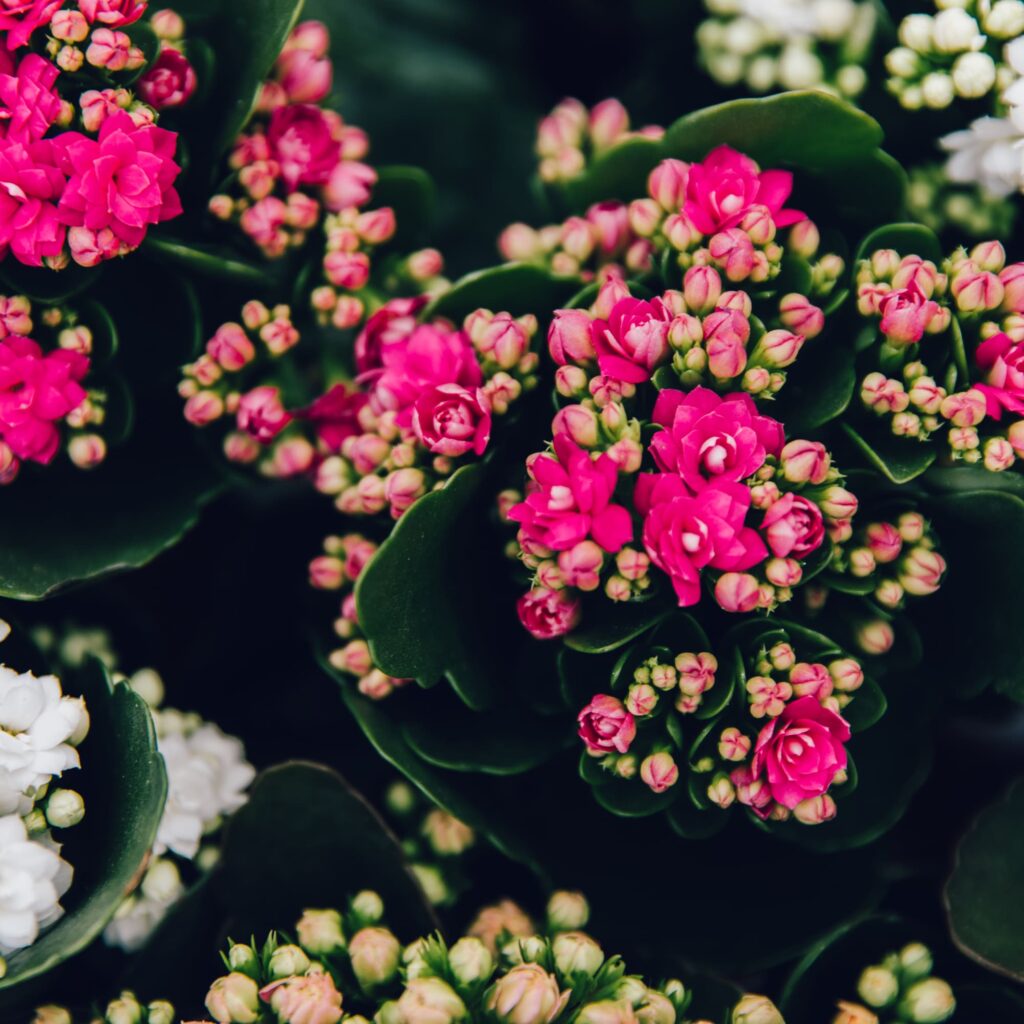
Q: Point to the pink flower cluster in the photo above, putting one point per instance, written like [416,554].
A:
[920,309]
[70,195]
[295,158]
[42,401]
[337,570]
[423,396]
[782,768]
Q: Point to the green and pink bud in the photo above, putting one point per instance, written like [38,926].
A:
[921,571]
[667,184]
[659,771]
[799,314]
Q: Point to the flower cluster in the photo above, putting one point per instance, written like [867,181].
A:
[963,209]
[295,159]
[85,169]
[40,729]
[337,569]
[424,396]
[345,963]
[900,988]
[776,742]
[43,405]
[950,361]
[788,44]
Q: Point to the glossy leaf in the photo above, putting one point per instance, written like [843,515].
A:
[410,192]
[819,386]
[619,173]
[124,785]
[213,261]
[898,459]
[515,288]
[908,239]
[606,626]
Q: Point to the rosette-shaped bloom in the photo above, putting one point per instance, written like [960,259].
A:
[721,190]
[684,533]
[547,614]
[303,145]
[31,184]
[29,104]
[572,501]
[169,81]
[123,180]
[306,999]
[606,726]
[335,415]
[793,525]
[20,18]
[113,13]
[709,440]
[36,391]
[391,324]
[800,752]
[906,314]
[452,420]
[633,341]
[1001,360]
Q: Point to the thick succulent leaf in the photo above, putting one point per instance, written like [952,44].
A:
[819,386]
[206,260]
[906,238]
[515,288]
[619,173]
[607,626]
[898,459]
[410,192]
[124,785]
[985,892]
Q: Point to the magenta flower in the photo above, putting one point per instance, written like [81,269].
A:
[335,415]
[20,18]
[305,76]
[124,180]
[727,184]
[1001,359]
[452,420]
[684,533]
[605,725]
[29,104]
[547,614]
[30,186]
[800,753]
[350,184]
[709,440]
[633,341]
[392,323]
[169,82]
[113,13]
[906,314]
[35,392]
[303,144]
[793,525]
[572,501]
[261,414]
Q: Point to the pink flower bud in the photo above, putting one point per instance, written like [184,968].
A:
[570,381]
[425,264]
[916,273]
[231,347]
[645,215]
[757,222]
[632,564]
[627,454]
[815,810]
[376,226]
[838,503]
[804,239]
[702,288]
[641,700]
[733,252]
[798,314]
[326,572]
[965,408]
[579,423]
[403,487]
[847,675]
[605,726]
[1012,278]
[976,290]
[659,771]
[240,447]
[204,407]
[569,337]
[69,26]
[1015,435]
[884,541]
[611,223]
[906,315]
[875,637]
[519,242]
[167,24]
[87,451]
[805,462]
[504,340]
[609,121]
[109,49]
[347,269]
[783,572]
[810,680]
[739,302]
[998,454]
[737,592]
[581,565]
[667,184]
[777,349]
[679,231]
[733,745]
[990,256]
[547,614]
[921,571]
[169,82]
[261,413]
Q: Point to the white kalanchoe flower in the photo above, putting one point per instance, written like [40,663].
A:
[33,877]
[138,916]
[207,776]
[989,154]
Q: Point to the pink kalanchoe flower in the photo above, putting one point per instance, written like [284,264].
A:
[547,614]
[20,18]
[35,392]
[906,314]
[302,143]
[605,726]
[32,184]
[113,13]
[391,324]
[169,82]
[98,104]
[571,501]
[721,189]
[261,414]
[29,103]
[123,180]
[304,999]
[709,440]
[684,533]
[335,415]
[800,753]
[304,76]
[793,525]
[350,184]
[1002,361]
[611,223]
[570,337]
[633,341]
[452,420]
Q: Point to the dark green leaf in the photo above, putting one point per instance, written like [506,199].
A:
[818,387]
[906,238]
[207,260]
[515,288]
[899,459]
[410,192]
[607,626]
[633,799]
[690,822]
[620,173]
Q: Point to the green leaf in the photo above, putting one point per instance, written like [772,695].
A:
[619,173]
[818,387]
[607,626]
[906,238]
[515,288]
[963,477]
[124,785]
[899,459]
[217,262]
[633,799]
[985,892]
[41,284]
[690,822]
[410,192]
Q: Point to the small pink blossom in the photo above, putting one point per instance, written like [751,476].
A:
[98,104]
[633,341]
[793,525]
[170,80]
[547,614]
[350,184]
[811,680]
[390,325]
[737,592]
[611,222]
[261,414]
[768,696]
[659,771]
[304,999]
[667,184]
[605,726]
[29,103]
[302,143]
[305,76]
[906,314]
[32,184]
[109,49]
[231,347]
[570,337]
[335,415]
[113,13]
[20,18]
[1001,360]
[452,420]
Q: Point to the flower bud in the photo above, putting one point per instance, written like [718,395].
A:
[374,954]
[847,675]
[737,592]
[667,184]
[838,503]
[753,1009]
[606,1011]
[798,314]
[527,994]
[928,1002]
[656,1009]
[998,454]
[567,911]
[160,1012]
[234,999]
[702,287]
[853,1013]
[470,961]
[244,960]
[368,905]
[609,121]
[921,571]
[805,462]
[286,961]
[64,808]
[815,810]
[875,637]
[447,835]
[569,337]
[320,932]
[576,953]
[916,961]
[659,771]
[878,986]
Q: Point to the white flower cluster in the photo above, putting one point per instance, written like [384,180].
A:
[789,44]
[207,779]
[39,731]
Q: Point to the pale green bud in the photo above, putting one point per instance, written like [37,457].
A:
[567,911]
[430,1001]
[244,959]
[234,999]
[878,986]
[752,1009]
[374,953]
[607,1011]
[320,932]
[576,952]
[287,961]
[124,1010]
[368,905]
[65,808]
[470,960]
[161,1012]
[916,961]
[928,1002]
[656,1009]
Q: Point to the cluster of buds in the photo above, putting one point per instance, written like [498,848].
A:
[746,758]
[571,136]
[767,45]
[889,560]
[125,1009]
[900,990]
[336,570]
[959,52]
[973,307]
[43,404]
[295,158]
[436,843]
[969,211]
[87,95]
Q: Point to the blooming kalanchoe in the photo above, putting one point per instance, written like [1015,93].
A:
[948,366]
[788,44]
